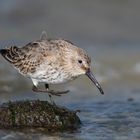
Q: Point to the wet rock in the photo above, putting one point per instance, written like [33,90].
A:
[37,114]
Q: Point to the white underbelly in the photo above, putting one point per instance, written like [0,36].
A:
[51,77]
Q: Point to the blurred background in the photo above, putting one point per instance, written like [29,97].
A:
[109,30]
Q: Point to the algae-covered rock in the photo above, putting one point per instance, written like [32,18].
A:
[37,114]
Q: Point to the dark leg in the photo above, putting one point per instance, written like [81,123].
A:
[47,86]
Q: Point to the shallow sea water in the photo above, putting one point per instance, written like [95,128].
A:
[100,120]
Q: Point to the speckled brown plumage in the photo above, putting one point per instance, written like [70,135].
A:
[50,61]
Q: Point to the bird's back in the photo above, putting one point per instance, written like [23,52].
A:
[27,58]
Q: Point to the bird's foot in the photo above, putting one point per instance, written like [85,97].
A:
[57,93]
[52,92]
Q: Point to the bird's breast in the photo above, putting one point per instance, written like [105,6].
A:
[52,75]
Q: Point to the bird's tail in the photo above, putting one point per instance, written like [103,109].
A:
[10,54]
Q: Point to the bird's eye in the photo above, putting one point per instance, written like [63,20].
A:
[80,61]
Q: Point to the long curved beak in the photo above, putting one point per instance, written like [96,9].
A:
[93,79]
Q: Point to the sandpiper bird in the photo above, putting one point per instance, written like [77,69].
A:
[51,61]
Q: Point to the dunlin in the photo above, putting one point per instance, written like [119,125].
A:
[51,61]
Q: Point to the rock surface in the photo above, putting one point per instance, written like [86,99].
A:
[37,114]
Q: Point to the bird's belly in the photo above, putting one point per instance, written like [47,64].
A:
[52,77]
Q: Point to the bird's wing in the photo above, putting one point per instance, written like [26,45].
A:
[29,57]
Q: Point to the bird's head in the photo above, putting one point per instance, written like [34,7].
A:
[80,63]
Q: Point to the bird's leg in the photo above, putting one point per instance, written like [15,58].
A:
[50,96]
[52,92]
[35,89]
